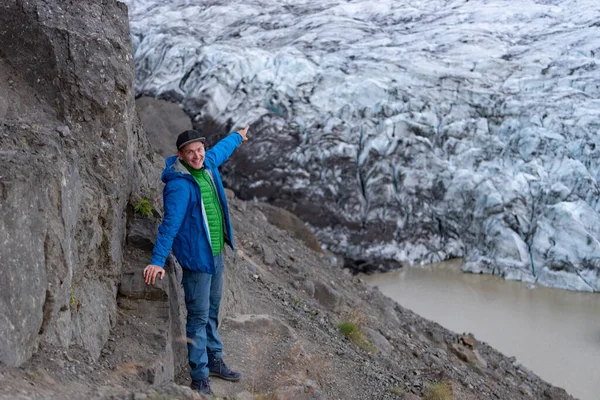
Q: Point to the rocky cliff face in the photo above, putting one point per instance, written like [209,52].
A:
[71,152]
[409,131]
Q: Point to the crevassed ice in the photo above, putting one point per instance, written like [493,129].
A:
[430,129]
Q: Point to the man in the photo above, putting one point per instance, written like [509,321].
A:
[196,225]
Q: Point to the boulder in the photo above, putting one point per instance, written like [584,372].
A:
[268,254]
[379,341]
[327,297]
[467,354]
[163,121]
[290,223]
[71,154]
[151,325]
[309,287]
[142,233]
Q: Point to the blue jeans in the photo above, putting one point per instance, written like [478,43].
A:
[202,300]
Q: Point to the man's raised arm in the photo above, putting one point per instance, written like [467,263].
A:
[223,150]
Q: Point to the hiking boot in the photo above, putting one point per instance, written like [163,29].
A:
[217,367]
[202,386]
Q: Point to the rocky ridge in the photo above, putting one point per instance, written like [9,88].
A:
[281,314]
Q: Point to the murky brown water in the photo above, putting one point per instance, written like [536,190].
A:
[553,332]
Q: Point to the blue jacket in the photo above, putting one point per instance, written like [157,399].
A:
[184,227]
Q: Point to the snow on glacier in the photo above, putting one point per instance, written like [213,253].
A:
[403,130]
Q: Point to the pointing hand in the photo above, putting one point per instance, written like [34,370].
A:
[243,133]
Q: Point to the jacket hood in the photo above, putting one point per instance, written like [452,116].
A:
[173,170]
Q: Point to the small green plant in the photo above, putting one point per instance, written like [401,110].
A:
[297,302]
[348,328]
[353,332]
[144,208]
[397,390]
[73,300]
[438,391]
[33,375]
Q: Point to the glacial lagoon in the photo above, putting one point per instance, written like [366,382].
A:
[553,332]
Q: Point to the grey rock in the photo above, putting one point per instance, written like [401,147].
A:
[526,390]
[379,341]
[22,232]
[291,224]
[390,315]
[62,202]
[435,336]
[467,354]
[268,254]
[555,393]
[229,194]
[61,335]
[92,323]
[174,353]
[327,297]
[234,289]
[163,121]
[133,286]
[63,130]
[309,288]
[142,232]
[283,262]
[334,261]
[295,268]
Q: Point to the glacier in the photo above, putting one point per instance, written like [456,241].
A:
[407,131]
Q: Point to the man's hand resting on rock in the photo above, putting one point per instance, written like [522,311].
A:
[150,273]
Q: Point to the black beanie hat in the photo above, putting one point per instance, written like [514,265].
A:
[189,136]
